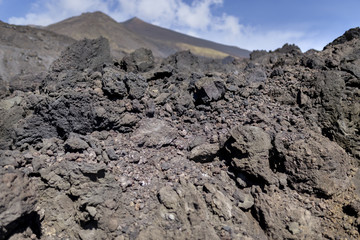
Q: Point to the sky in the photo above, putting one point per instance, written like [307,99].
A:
[248,24]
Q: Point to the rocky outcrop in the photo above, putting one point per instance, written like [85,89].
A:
[262,148]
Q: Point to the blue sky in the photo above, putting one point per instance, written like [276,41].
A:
[250,24]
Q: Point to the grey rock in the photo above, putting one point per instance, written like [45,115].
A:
[11,113]
[169,197]
[111,154]
[154,132]
[245,200]
[84,54]
[349,35]
[273,210]
[220,204]
[75,144]
[126,122]
[141,60]
[209,89]
[113,84]
[303,161]
[249,148]
[204,153]
[17,202]
[136,84]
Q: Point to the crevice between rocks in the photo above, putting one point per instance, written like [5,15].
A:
[276,160]
[20,225]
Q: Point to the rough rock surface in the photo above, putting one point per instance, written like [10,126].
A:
[185,148]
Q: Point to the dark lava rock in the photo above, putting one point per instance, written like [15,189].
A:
[17,204]
[353,33]
[75,144]
[113,84]
[154,133]
[72,112]
[92,54]
[249,149]
[209,89]
[183,61]
[136,84]
[314,164]
[11,112]
[141,60]
[289,48]
[184,147]
[204,152]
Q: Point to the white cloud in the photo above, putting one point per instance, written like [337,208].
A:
[196,19]
[45,12]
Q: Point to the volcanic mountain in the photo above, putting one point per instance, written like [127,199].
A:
[182,147]
[127,36]
[25,50]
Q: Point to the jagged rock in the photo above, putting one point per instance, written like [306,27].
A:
[183,61]
[256,75]
[126,122]
[209,89]
[11,113]
[289,48]
[136,84]
[338,119]
[196,148]
[313,163]
[113,84]
[353,33]
[282,219]
[141,60]
[169,197]
[249,148]
[204,153]
[72,112]
[75,144]
[184,102]
[245,200]
[92,54]
[220,204]
[33,131]
[154,133]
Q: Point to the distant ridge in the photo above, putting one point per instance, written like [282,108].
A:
[135,33]
[150,31]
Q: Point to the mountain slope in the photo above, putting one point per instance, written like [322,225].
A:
[164,35]
[135,33]
[94,25]
[26,50]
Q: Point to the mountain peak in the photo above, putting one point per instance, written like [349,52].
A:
[96,15]
[135,33]
[135,20]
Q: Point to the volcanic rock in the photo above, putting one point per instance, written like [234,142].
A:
[184,147]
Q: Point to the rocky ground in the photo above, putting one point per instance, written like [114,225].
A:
[185,148]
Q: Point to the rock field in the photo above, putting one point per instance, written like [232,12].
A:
[184,147]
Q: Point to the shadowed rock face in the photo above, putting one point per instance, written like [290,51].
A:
[263,148]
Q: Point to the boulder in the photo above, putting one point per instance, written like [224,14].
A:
[141,60]
[154,132]
[249,148]
[87,53]
[17,204]
[209,89]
